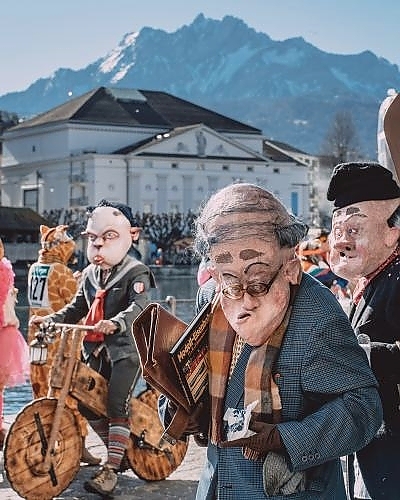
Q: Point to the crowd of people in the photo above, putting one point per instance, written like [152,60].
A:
[316,413]
[314,258]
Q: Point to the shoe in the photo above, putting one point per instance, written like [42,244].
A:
[103,482]
[88,459]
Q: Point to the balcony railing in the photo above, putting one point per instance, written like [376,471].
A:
[78,179]
[27,252]
[79,202]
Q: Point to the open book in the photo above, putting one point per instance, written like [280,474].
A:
[173,355]
[190,356]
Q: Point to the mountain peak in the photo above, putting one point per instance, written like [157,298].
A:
[290,89]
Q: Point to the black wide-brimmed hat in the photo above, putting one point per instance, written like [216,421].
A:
[356,181]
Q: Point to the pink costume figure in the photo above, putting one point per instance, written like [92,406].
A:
[14,354]
[203,273]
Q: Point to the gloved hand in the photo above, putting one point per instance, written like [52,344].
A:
[197,423]
[267,438]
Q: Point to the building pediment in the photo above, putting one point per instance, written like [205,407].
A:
[193,141]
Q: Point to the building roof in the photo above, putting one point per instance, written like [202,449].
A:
[20,220]
[273,152]
[131,107]
[280,151]
[286,147]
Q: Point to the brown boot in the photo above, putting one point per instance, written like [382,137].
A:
[86,457]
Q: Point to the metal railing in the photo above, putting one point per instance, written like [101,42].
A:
[25,252]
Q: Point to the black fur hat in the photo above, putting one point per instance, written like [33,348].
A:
[354,182]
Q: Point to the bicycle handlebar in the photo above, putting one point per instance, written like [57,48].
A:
[67,325]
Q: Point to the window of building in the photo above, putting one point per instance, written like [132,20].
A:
[225,167]
[250,169]
[174,165]
[148,163]
[276,170]
[294,202]
[30,198]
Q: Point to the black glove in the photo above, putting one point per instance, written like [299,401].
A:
[267,438]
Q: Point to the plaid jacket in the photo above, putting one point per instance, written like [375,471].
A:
[330,402]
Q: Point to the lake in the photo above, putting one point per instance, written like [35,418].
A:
[179,283]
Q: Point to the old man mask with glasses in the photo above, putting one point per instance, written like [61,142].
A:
[250,239]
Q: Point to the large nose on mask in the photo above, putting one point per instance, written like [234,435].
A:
[98,242]
[342,245]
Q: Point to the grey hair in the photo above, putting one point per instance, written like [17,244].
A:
[268,219]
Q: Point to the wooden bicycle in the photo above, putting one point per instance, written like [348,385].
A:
[43,446]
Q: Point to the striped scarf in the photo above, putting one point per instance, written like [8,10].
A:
[258,385]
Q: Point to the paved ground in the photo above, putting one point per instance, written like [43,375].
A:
[181,485]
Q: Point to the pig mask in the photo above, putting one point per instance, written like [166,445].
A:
[109,236]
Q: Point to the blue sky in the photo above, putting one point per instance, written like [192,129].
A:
[40,36]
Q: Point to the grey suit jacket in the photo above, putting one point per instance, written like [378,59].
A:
[330,404]
[122,303]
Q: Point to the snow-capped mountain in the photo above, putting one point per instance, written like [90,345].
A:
[290,89]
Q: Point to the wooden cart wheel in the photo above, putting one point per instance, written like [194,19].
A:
[23,451]
[148,461]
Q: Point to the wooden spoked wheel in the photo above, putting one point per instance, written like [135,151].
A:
[148,461]
[24,451]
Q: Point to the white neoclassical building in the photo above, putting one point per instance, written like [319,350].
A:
[149,149]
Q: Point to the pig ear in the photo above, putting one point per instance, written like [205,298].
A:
[391,128]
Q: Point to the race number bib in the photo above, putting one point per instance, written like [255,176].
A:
[38,289]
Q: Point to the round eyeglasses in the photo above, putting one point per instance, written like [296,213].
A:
[236,291]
